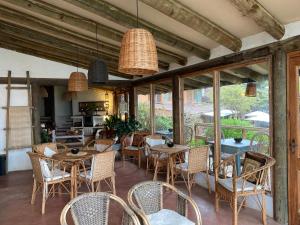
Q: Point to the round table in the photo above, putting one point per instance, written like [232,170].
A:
[170,152]
[74,160]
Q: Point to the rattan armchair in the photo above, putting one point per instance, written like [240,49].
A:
[134,150]
[197,162]
[55,147]
[102,169]
[101,145]
[93,209]
[47,173]
[152,158]
[146,199]
[252,182]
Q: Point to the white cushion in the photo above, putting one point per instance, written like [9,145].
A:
[151,142]
[168,217]
[100,147]
[45,168]
[87,175]
[57,174]
[134,148]
[48,152]
[242,185]
[182,166]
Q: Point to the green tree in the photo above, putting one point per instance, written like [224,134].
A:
[143,115]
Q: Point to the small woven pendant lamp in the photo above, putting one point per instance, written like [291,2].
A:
[77,82]
[43,92]
[250,89]
[138,54]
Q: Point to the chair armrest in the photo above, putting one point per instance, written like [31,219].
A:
[222,167]
[88,145]
[65,147]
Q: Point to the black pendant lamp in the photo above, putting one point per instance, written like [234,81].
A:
[97,73]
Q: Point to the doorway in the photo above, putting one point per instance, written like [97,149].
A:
[293,83]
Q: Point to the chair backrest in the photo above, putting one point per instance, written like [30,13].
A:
[148,196]
[260,162]
[40,148]
[93,209]
[151,140]
[103,165]
[138,140]
[36,166]
[102,145]
[198,159]
[188,134]
[260,142]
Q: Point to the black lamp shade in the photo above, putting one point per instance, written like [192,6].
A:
[97,73]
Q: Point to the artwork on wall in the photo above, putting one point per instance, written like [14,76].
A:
[90,107]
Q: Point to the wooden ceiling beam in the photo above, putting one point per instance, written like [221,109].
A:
[54,54]
[194,20]
[120,16]
[262,17]
[73,21]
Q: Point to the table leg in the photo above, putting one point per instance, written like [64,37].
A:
[238,164]
[168,170]
[75,181]
[72,181]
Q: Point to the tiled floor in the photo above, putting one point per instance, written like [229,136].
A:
[15,207]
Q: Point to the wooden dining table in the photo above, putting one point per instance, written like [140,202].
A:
[74,160]
[170,152]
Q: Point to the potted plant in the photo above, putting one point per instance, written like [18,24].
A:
[127,127]
[110,123]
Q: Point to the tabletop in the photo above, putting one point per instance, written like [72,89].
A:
[169,150]
[68,156]
[231,142]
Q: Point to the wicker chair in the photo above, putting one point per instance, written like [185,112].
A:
[45,177]
[151,157]
[102,169]
[134,150]
[101,145]
[252,182]
[197,162]
[48,149]
[146,199]
[93,209]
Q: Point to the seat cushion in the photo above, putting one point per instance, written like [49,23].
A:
[168,217]
[57,174]
[100,147]
[151,142]
[182,166]
[242,185]
[48,152]
[87,175]
[132,148]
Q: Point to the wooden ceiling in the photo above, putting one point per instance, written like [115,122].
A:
[65,31]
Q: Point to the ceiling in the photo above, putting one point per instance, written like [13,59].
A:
[54,29]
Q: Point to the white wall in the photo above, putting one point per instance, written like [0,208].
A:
[92,95]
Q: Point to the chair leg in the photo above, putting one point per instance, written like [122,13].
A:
[44,197]
[189,184]
[113,182]
[217,201]
[208,182]
[264,216]
[147,165]
[155,171]
[123,159]
[34,189]
[92,186]
[139,160]
[234,211]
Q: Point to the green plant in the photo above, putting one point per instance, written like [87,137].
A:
[196,143]
[111,121]
[45,137]
[163,122]
[127,127]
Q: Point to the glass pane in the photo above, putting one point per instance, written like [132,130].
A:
[163,120]
[143,106]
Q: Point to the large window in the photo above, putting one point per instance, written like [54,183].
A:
[143,106]
[163,120]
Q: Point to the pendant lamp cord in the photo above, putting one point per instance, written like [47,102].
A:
[137,13]
[77,63]
[97,44]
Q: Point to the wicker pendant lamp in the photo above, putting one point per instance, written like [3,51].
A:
[138,54]
[68,96]
[250,89]
[77,81]
[97,73]
[43,92]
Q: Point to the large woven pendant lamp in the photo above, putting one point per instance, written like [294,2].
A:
[250,89]
[97,73]
[138,54]
[77,81]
